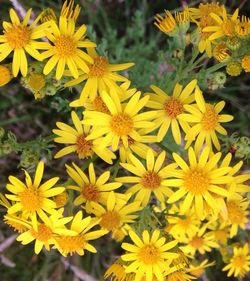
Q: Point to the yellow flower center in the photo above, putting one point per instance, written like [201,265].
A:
[205,21]
[239,261]
[99,67]
[31,199]
[5,75]
[100,106]
[210,118]
[43,233]
[196,181]
[235,213]
[121,124]
[110,220]
[151,180]
[173,107]
[228,27]
[221,235]
[91,192]
[234,68]
[71,244]
[65,46]
[196,242]
[18,36]
[36,81]
[83,147]
[149,254]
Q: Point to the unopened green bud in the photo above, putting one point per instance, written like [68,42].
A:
[51,90]
[220,78]
[29,157]
[245,140]
[6,148]
[233,43]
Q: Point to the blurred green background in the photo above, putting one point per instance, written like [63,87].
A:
[124,31]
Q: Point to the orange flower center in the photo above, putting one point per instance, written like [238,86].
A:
[121,124]
[210,118]
[151,180]
[31,199]
[235,213]
[196,181]
[65,46]
[71,244]
[149,254]
[110,220]
[100,106]
[91,192]
[196,242]
[43,233]
[239,261]
[83,147]
[18,36]
[99,67]
[173,107]
[36,81]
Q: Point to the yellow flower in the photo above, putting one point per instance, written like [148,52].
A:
[179,276]
[168,24]
[20,37]
[32,198]
[234,68]
[77,138]
[65,48]
[47,15]
[221,53]
[242,27]
[198,181]
[91,189]
[169,109]
[148,179]
[69,11]
[198,270]
[117,213]
[44,232]
[239,264]
[116,271]
[207,121]
[101,76]
[225,25]
[78,243]
[5,75]
[245,64]
[122,123]
[148,256]
[202,241]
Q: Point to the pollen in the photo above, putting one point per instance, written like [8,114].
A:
[90,192]
[99,67]
[149,254]
[36,81]
[196,242]
[235,213]
[31,199]
[210,118]
[196,181]
[151,180]
[110,220]
[18,36]
[100,106]
[5,75]
[83,147]
[70,244]
[65,46]
[121,124]
[43,233]
[173,107]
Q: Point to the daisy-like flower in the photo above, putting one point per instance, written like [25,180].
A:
[148,256]
[65,48]
[207,121]
[77,140]
[20,37]
[101,76]
[202,241]
[198,181]
[197,270]
[169,109]
[91,189]
[78,243]
[32,198]
[239,264]
[116,271]
[69,11]
[5,75]
[44,232]
[201,16]
[179,276]
[225,25]
[121,123]
[182,225]
[116,213]
[148,179]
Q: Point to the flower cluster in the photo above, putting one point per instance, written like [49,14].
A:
[168,211]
